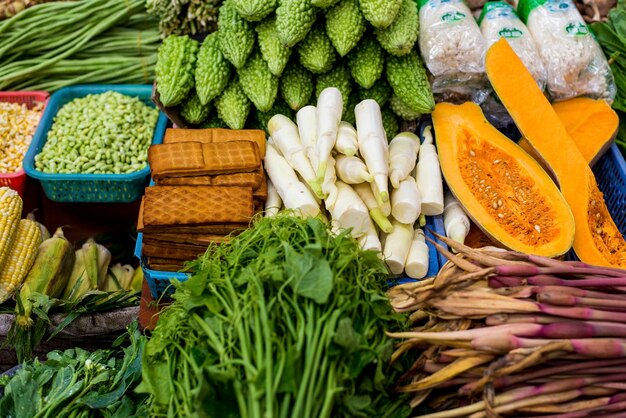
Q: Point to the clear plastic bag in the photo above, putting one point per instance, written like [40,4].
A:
[499,20]
[574,61]
[450,40]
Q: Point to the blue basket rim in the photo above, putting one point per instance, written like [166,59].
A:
[49,113]
[150,272]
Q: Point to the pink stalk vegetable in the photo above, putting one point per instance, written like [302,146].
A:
[545,280]
[592,347]
[534,270]
[507,381]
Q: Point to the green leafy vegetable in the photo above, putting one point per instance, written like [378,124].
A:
[76,383]
[286,320]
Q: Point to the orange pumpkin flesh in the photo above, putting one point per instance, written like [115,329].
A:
[592,125]
[503,189]
[597,240]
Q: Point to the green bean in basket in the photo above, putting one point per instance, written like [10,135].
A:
[107,133]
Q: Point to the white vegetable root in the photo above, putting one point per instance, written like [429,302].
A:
[428,176]
[403,150]
[287,139]
[397,246]
[306,118]
[294,194]
[418,258]
[373,145]
[273,203]
[347,141]
[352,170]
[349,211]
[329,186]
[406,203]
[329,112]
[455,220]
[376,213]
[370,241]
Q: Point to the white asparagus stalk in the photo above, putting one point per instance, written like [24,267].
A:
[294,194]
[349,211]
[455,220]
[306,119]
[352,170]
[373,145]
[397,246]
[406,203]
[273,203]
[417,261]
[285,135]
[347,141]
[329,186]
[376,213]
[428,176]
[370,241]
[403,150]
[329,112]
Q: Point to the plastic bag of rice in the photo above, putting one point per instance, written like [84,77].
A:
[499,20]
[574,61]
[451,44]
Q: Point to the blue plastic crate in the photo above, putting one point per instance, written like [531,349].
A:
[112,188]
[158,281]
[610,172]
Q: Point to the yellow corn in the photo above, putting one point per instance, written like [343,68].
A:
[17,127]
[21,258]
[10,214]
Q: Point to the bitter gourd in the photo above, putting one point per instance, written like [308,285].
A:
[273,52]
[255,10]
[380,13]
[235,35]
[390,124]
[258,82]
[345,25]
[294,19]
[401,109]
[380,91]
[409,81]
[212,70]
[193,111]
[175,69]
[233,105]
[366,62]
[296,86]
[316,52]
[279,108]
[399,37]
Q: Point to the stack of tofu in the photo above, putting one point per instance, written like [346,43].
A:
[209,183]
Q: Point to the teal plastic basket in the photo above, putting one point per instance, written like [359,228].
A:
[101,188]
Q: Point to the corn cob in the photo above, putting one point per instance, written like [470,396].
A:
[49,274]
[21,257]
[10,214]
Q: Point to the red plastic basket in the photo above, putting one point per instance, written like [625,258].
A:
[17,180]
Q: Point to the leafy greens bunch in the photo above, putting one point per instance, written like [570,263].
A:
[76,383]
[287,320]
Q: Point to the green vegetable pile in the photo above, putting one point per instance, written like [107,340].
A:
[58,44]
[287,320]
[77,383]
[268,55]
[612,37]
[185,17]
[107,133]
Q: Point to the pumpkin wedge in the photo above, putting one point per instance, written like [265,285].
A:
[592,124]
[597,240]
[502,188]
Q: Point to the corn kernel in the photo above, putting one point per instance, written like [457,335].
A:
[17,126]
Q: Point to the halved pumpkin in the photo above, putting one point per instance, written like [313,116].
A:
[592,124]
[502,188]
[597,239]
